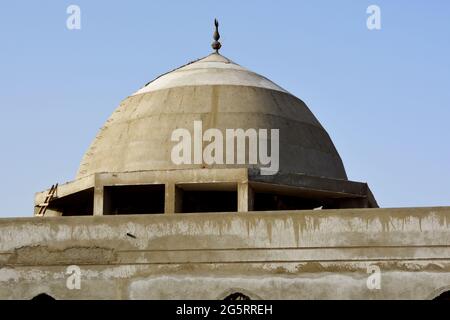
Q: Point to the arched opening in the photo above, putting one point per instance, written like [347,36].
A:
[444,296]
[236,296]
[43,297]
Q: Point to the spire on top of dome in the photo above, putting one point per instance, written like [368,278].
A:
[216,45]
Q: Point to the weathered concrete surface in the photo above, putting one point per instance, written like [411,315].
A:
[272,255]
[222,95]
[198,73]
[241,179]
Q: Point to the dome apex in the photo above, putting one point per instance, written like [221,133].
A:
[213,69]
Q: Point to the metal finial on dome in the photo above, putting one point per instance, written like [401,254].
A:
[216,45]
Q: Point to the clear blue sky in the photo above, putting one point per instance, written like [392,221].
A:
[383,96]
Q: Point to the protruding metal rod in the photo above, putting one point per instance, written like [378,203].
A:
[216,45]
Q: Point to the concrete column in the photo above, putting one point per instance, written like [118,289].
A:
[173,199]
[169,198]
[178,200]
[245,197]
[98,200]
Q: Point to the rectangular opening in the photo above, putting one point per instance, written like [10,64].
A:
[136,199]
[276,202]
[211,197]
[77,204]
[209,201]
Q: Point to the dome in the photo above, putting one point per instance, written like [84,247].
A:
[222,95]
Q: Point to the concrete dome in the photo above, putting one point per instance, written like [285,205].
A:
[222,95]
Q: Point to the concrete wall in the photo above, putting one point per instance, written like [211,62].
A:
[274,255]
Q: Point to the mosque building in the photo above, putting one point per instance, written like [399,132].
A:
[213,182]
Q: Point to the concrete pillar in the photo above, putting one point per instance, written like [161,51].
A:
[169,198]
[245,197]
[98,200]
[178,200]
[173,199]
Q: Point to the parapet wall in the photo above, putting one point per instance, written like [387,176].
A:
[324,254]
